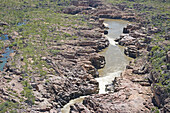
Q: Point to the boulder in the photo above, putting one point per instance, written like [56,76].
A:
[125,30]
[91,70]
[141,45]
[131,51]
[44,106]
[98,61]
[105,32]
[127,40]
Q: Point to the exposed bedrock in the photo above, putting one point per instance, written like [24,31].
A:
[100,9]
[129,93]
[127,97]
[75,63]
[132,91]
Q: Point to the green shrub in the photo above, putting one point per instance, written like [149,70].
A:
[8,106]
[27,92]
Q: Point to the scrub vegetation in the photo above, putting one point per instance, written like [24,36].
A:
[33,26]
[155,13]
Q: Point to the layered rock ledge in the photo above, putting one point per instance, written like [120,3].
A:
[136,89]
[76,63]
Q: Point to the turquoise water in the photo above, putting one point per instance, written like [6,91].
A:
[19,24]
[22,23]
[7,50]
[5,57]
[4,37]
[6,54]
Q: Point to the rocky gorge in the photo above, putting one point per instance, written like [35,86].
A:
[76,67]
[137,40]
[129,93]
[73,66]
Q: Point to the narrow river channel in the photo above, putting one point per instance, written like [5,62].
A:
[6,54]
[115,59]
[8,51]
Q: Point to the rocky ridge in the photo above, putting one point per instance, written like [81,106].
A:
[76,67]
[137,79]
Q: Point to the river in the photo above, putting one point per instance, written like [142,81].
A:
[115,59]
[8,50]
[7,53]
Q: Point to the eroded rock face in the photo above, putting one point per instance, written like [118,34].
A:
[131,51]
[100,9]
[161,98]
[129,93]
[161,94]
[134,34]
[128,97]
[75,64]
[92,3]
[126,40]
[98,61]
[137,40]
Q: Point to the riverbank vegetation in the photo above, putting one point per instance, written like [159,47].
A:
[34,27]
[155,14]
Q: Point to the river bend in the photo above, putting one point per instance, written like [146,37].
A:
[116,61]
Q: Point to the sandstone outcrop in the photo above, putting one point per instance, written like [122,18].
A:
[75,61]
[137,40]
[128,93]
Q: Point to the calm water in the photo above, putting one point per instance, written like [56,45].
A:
[115,60]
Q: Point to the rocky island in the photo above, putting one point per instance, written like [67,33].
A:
[50,55]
